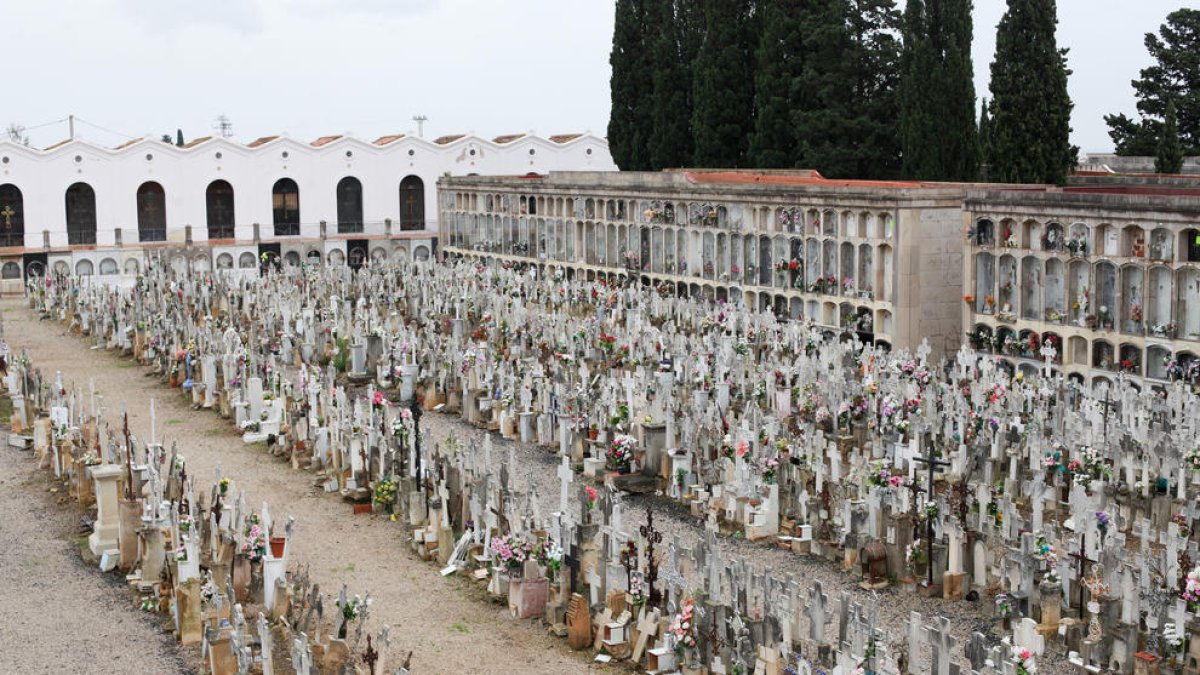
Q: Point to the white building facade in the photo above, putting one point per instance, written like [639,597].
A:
[222,204]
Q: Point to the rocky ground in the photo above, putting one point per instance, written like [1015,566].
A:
[446,621]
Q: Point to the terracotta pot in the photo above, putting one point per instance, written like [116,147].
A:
[277,546]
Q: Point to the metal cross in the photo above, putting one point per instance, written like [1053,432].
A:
[8,213]
[1081,562]
[933,463]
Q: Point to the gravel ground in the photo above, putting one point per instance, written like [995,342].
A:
[448,628]
[62,616]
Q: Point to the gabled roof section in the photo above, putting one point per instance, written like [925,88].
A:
[390,138]
[324,140]
[196,141]
[508,138]
[57,145]
[261,141]
[446,140]
[564,138]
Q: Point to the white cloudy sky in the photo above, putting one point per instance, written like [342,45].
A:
[314,67]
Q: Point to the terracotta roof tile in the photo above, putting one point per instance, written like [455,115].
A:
[444,140]
[324,140]
[507,138]
[261,141]
[564,138]
[126,144]
[384,140]
[197,141]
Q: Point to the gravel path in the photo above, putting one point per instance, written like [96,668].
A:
[61,616]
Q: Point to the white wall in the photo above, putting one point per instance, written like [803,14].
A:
[43,177]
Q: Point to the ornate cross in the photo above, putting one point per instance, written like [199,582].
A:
[8,213]
[932,462]
[651,536]
[1081,563]
[370,656]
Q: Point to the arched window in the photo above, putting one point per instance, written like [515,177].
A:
[246,261]
[218,199]
[412,203]
[224,262]
[81,214]
[12,216]
[285,202]
[11,270]
[349,206]
[151,212]
[84,268]
[108,267]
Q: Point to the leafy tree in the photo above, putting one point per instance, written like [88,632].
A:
[628,122]
[779,58]
[1170,151]
[1031,109]
[1174,77]
[723,85]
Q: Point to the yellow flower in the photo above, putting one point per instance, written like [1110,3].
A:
[393,517]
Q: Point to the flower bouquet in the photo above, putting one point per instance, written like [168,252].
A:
[619,456]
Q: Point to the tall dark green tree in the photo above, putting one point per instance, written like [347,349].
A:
[1170,150]
[629,120]
[844,108]
[1031,110]
[779,61]
[179,137]
[936,93]
[1174,77]
[723,85]
[670,135]
[985,136]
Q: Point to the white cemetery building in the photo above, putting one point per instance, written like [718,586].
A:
[216,203]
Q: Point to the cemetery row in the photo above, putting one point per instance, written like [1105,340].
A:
[1069,510]
[199,557]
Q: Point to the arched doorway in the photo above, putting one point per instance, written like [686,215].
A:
[412,203]
[349,206]
[151,212]
[12,216]
[218,200]
[81,214]
[285,206]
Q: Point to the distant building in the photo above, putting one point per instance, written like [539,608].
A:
[216,203]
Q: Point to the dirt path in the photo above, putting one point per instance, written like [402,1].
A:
[447,625]
[60,615]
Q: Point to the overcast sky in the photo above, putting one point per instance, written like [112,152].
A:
[315,67]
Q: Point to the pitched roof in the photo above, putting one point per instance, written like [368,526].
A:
[443,140]
[324,140]
[261,141]
[126,144]
[507,138]
[564,138]
[58,144]
[391,138]
[197,141]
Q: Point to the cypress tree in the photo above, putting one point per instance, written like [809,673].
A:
[723,86]
[670,137]
[179,137]
[1031,109]
[985,137]
[845,104]
[629,120]
[937,92]
[1170,149]
[779,59]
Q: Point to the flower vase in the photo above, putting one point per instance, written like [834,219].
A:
[277,546]
[342,630]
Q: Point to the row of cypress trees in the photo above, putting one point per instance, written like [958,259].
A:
[853,88]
